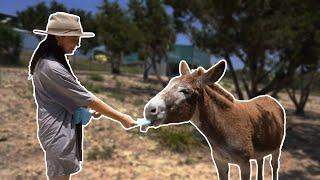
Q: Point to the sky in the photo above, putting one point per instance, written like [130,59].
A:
[12,6]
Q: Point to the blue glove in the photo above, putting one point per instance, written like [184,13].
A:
[81,115]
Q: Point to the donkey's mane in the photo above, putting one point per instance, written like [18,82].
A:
[214,87]
[217,88]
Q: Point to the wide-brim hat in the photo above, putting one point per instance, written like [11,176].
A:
[64,24]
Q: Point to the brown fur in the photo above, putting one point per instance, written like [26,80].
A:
[236,130]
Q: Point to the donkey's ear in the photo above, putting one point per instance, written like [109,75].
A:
[184,68]
[215,73]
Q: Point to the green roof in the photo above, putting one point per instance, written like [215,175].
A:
[191,54]
[131,58]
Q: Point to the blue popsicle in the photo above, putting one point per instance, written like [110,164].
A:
[143,121]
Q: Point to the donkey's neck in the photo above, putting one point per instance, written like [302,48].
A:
[213,102]
[218,94]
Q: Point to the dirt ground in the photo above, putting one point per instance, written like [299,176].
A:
[131,154]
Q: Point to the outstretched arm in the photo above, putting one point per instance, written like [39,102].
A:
[101,107]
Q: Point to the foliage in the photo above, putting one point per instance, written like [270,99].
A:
[36,17]
[118,33]
[300,89]
[104,153]
[89,24]
[258,33]
[10,45]
[101,58]
[96,77]
[138,102]
[157,28]
[299,43]
[132,69]
[117,92]
[176,139]
[93,87]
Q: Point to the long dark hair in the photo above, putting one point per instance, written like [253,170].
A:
[49,47]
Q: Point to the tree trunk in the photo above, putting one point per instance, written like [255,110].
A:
[304,93]
[157,73]
[115,65]
[147,67]
[234,77]
[115,68]
[253,75]
[299,111]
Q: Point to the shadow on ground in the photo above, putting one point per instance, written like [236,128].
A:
[303,141]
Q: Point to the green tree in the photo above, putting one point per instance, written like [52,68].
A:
[10,45]
[89,23]
[117,33]
[303,83]
[157,28]
[252,31]
[55,7]
[36,17]
[299,42]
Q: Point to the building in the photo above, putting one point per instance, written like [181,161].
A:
[169,66]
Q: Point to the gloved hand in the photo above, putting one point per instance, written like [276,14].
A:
[82,115]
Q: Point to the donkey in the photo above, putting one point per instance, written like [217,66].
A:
[237,131]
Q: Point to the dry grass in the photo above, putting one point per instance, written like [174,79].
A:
[113,153]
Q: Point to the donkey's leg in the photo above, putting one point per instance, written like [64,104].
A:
[222,170]
[275,162]
[260,169]
[245,170]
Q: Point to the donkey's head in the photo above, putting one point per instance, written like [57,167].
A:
[177,102]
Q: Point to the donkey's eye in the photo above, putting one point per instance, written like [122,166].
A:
[185,91]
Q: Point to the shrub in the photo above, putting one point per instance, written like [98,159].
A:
[176,139]
[138,102]
[117,92]
[104,153]
[96,77]
[10,45]
[92,87]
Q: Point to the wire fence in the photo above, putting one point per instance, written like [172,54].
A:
[83,63]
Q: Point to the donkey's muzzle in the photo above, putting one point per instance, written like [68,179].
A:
[154,111]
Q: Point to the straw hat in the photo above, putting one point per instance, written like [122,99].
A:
[64,24]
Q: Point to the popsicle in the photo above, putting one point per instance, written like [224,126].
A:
[143,121]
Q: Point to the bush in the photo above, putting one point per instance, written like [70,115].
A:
[176,139]
[96,77]
[104,153]
[132,69]
[10,45]
[138,102]
[188,161]
[92,87]
[117,92]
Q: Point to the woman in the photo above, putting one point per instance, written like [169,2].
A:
[58,94]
